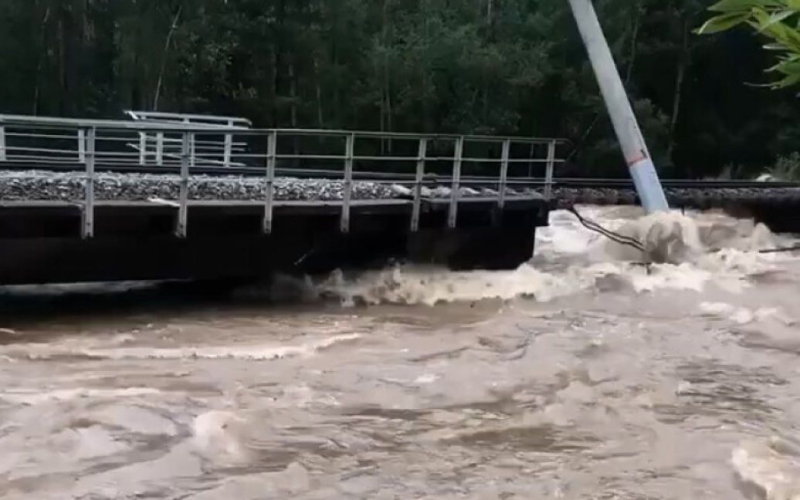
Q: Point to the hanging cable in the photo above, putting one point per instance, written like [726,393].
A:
[780,250]
[616,237]
[634,243]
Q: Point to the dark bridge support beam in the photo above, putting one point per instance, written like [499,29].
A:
[228,245]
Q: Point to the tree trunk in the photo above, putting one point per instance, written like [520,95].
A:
[275,60]
[167,43]
[40,57]
[137,69]
[62,65]
[292,95]
[320,120]
[490,35]
[293,104]
[279,48]
[136,92]
[637,22]
[386,93]
[76,58]
[389,124]
[382,105]
[683,63]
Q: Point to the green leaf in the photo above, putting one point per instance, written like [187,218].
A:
[788,81]
[723,23]
[737,5]
[779,17]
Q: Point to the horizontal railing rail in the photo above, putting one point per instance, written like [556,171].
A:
[456,162]
[162,117]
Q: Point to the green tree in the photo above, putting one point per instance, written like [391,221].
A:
[475,66]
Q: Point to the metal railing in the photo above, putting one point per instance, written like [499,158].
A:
[457,162]
[188,119]
[227,145]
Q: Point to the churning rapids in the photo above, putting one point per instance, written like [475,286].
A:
[583,375]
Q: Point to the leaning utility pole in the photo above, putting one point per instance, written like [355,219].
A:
[619,108]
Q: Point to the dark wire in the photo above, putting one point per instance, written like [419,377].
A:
[780,250]
[631,242]
[616,237]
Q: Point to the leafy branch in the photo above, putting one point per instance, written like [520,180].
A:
[778,20]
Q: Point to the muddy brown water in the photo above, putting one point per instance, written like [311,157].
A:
[581,375]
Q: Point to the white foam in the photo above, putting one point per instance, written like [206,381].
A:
[565,235]
[218,435]
[776,474]
[35,397]
[252,353]
[430,286]
[428,378]
[666,237]
[670,277]
[740,315]
[743,315]
[695,249]
[242,352]
[716,308]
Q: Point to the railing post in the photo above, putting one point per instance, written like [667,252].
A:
[501,196]
[160,149]
[455,194]
[228,147]
[183,209]
[193,139]
[415,213]
[269,193]
[142,148]
[548,178]
[81,145]
[87,229]
[3,156]
[348,182]
[193,150]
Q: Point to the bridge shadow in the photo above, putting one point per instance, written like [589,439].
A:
[29,306]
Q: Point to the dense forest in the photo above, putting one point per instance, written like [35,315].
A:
[476,66]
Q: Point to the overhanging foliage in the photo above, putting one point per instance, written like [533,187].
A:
[777,20]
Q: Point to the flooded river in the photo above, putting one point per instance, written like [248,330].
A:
[585,375]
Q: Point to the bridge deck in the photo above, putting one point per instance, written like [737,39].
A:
[88,200]
[153,199]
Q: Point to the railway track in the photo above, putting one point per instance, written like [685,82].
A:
[401,177]
[678,184]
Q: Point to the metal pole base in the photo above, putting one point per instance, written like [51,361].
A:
[645,178]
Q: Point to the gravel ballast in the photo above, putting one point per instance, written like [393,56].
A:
[47,186]
[38,185]
[50,186]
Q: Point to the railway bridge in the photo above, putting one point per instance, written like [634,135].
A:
[168,196]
